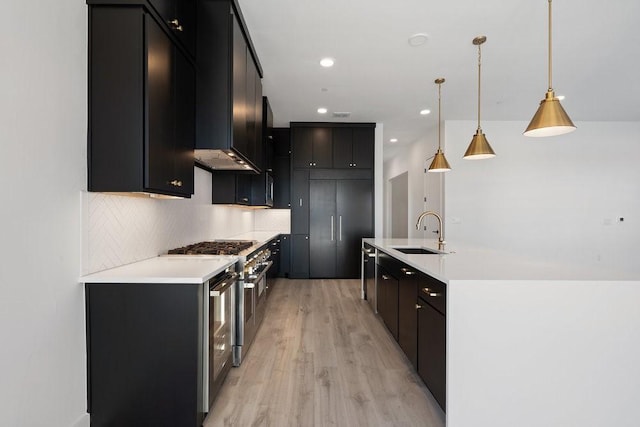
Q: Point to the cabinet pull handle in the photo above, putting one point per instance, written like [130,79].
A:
[306,237]
[332,228]
[244,199]
[431,293]
[340,227]
[300,201]
[385,277]
[175,24]
[176,183]
[407,271]
[418,306]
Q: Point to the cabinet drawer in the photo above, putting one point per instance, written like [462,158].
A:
[434,292]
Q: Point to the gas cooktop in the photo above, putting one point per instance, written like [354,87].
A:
[216,247]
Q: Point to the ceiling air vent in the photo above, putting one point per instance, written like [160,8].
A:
[341,114]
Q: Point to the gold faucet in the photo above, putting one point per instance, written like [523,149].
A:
[441,241]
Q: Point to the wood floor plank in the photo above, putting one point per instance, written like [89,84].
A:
[323,358]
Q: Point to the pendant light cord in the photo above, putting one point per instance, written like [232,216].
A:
[479,62]
[439,95]
[550,81]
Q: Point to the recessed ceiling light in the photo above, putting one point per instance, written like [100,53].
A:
[425,112]
[393,140]
[322,110]
[327,62]
[560,97]
[418,39]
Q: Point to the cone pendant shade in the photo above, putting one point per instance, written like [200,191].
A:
[550,119]
[479,147]
[439,163]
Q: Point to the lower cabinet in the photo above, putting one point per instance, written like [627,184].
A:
[299,268]
[432,337]
[388,300]
[144,347]
[285,255]
[412,305]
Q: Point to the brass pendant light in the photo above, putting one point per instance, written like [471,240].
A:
[550,119]
[479,147]
[439,163]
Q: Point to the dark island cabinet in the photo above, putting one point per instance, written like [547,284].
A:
[141,105]
[408,313]
[388,300]
[144,346]
[432,337]
[353,147]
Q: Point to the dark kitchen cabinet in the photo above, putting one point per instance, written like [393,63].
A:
[141,105]
[432,337]
[300,202]
[281,168]
[144,347]
[353,147]
[369,259]
[229,95]
[180,16]
[285,255]
[231,188]
[311,146]
[408,312]
[339,217]
[299,268]
[388,300]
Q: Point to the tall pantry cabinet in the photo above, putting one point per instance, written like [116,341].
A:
[331,197]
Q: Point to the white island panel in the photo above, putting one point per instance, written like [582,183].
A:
[555,354]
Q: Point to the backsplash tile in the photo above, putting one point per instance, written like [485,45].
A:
[120,230]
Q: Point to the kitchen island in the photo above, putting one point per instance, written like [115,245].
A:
[531,343]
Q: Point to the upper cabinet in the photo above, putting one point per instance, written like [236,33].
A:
[332,145]
[311,146]
[180,17]
[229,90]
[353,147]
[141,104]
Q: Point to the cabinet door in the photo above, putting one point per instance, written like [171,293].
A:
[251,109]
[285,255]
[159,144]
[432,363]
[342,148]
[185,95]
[301,147]
[299,268]
[322,148]
[354,199]
[300,202]
[281,182]
[363,147]
[408,313]
[186,17]
[259,149]
[388,300]
[243,189]
[322,228]
[239,134]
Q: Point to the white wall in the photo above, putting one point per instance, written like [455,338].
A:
[413,160]
[43,110]
[555,198]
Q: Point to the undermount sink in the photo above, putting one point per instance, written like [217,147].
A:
[421,251]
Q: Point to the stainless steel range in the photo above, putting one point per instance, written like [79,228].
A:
[253,264]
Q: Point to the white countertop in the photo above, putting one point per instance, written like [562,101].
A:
[177,269]
[261,237]
[463,262]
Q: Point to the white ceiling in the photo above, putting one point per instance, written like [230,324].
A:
[379,77]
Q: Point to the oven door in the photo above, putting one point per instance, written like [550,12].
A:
[221,331]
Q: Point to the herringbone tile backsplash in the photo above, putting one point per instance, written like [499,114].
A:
[120,230]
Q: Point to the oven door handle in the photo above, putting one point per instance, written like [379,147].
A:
[255,280]
[217,289]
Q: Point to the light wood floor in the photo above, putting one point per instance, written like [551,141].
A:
[323,358]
